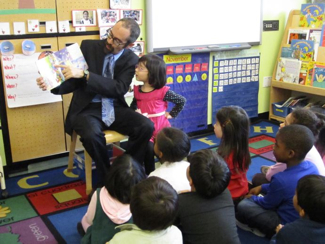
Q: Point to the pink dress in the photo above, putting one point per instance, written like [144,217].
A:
[153,104]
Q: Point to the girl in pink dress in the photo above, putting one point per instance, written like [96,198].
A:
[151,99]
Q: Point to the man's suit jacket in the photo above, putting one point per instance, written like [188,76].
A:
[84,91]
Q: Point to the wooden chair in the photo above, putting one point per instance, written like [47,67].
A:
[112,137]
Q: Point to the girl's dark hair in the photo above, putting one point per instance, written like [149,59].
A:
[123,174]
[174,144]
[156,70]
[234,124]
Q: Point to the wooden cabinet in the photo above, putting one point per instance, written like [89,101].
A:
[281,91]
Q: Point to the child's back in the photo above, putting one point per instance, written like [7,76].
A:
[309,201]
[154,206]
[172,146]
[206,214]
[232,126]
[109,205]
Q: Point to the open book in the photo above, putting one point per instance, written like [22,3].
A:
[53,76]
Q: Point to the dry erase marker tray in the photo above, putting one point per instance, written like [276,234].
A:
[209,48]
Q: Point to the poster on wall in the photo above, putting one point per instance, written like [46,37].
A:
[84,17]
[107,17]
[235,81]
[120,4]
[188,75]
[20,73]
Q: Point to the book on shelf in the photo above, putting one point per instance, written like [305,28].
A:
[322,37]
[47,60]
[292,102]
[294,34]
[287,52]
[312,15]
[319,75]
[306,73]
[303,49]
[288,70]
[315,36]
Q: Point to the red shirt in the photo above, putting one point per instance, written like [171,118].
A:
[238,185]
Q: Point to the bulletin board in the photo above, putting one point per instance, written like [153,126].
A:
[188,75]
[235,81]
[64,9]
[21,11]
[35,131]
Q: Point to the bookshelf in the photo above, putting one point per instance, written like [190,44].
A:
[281,91]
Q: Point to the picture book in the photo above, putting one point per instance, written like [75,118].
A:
[288,70]
[312,15]
[322,37]
[287,52]
[47,60]
[306,73]
[315,36]
[319,75]
[304,49]
[295,34]
[292,102]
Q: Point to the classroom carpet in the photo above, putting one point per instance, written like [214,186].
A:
[45,207]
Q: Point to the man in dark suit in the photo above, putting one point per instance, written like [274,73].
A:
[89,87]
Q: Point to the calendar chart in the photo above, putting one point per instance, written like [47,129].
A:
[188,75]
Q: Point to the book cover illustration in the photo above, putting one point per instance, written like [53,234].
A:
[288,70]
[295,34]
[306,73]
[47,60]
[304,49]
[312,15]
[315,36]
[287,52]
[319,76]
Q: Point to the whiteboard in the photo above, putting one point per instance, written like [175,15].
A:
[187,23]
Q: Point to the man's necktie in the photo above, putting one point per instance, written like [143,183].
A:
[108,115]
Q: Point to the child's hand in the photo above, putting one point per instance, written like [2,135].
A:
[278,228]
[256,190]
[168,116]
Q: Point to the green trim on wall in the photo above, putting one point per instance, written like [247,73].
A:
[28,11]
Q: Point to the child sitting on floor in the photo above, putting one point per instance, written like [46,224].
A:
[154,205]
[265,213]
[300,116]
[109,205]
[232,126]
[309,201]
[171,147]
[206,214]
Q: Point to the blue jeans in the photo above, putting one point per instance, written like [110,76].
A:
[255,216]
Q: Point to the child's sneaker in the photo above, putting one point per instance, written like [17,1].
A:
[247,228]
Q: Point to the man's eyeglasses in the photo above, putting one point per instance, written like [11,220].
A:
[116,41]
